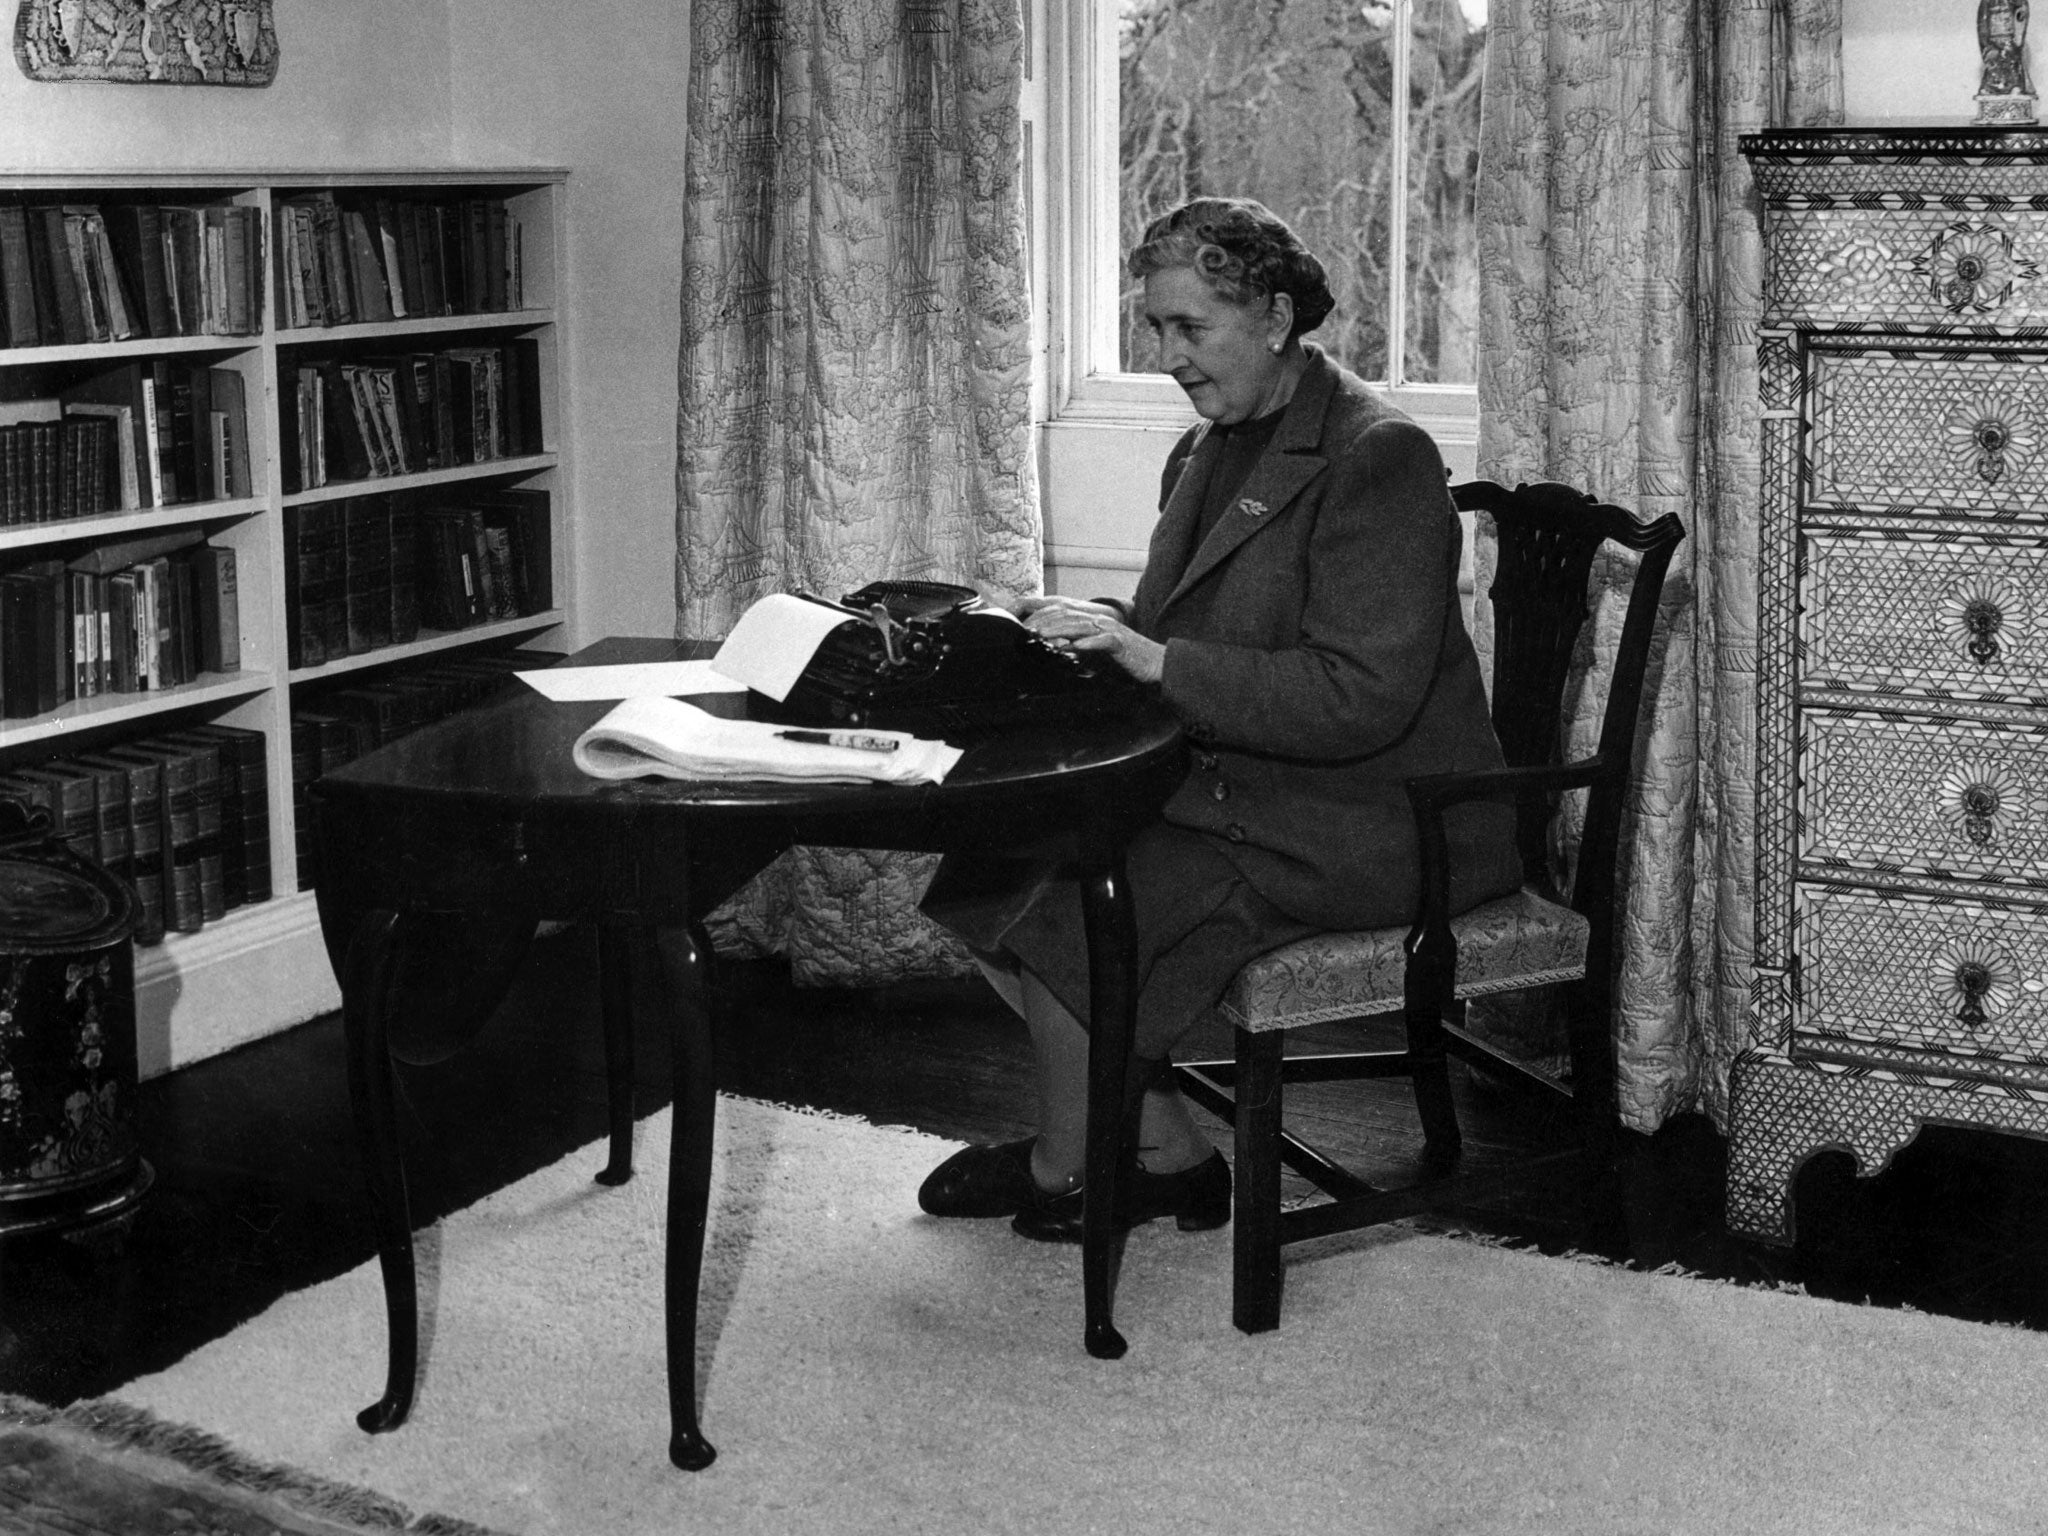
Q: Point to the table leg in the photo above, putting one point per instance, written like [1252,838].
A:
[367,976]
[1112,1011]
[684,955]
[615,984]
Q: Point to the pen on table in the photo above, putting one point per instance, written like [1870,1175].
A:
[851,739]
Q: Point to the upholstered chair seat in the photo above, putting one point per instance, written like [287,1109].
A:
[1517,941]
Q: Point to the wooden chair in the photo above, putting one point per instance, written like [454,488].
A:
[1548,537]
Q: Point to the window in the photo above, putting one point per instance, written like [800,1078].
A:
[1292,102]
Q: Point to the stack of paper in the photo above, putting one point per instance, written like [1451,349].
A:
[680,741]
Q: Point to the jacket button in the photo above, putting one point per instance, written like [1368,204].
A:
[1220,790]
[1235,832]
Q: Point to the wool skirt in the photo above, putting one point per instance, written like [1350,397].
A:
[1199,922]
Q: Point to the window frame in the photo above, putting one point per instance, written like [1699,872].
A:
[1080,107]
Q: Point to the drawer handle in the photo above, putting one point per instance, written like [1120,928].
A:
[1978,982]
[1978,613]
[1983,620]
[1980,804]
[1973,981]
[1973,792]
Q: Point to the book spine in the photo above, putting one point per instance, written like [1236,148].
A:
[158,388]
[220,619]
[245,811]
[178,794]
[146,838]
[92,303]
[110,833]
[17,278]
[123,321]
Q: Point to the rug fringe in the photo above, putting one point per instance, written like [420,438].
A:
[813,1113]
[196,1450]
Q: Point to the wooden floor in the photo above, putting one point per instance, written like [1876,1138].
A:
[258,1195]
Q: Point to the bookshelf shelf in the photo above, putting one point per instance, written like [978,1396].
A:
[117,351]
[261,967]
[342,490]
[68,721]
[431,643]
[496,320]
[124,525]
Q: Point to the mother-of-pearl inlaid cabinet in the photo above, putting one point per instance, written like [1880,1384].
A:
[1901,903]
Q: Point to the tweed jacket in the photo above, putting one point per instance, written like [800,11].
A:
[1317,654]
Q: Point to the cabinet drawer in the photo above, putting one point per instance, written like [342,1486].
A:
[1929,614]
[1910,425]
[1932,266]
[1965,799]
[1953,978]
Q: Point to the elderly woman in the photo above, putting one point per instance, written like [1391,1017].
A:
[1299,612]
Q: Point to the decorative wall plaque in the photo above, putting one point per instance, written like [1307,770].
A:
[147,42]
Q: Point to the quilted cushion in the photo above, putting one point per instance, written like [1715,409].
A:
[1517,941]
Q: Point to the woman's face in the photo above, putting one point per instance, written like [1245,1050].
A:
[1221,353]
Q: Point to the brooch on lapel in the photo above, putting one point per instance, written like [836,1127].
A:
[1252,508]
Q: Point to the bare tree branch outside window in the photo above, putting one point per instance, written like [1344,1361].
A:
[1291,102]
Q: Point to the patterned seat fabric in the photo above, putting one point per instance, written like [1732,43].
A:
[1517,941]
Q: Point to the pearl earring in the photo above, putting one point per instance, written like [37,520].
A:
[1276,349]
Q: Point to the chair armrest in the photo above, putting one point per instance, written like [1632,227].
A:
[1431,795]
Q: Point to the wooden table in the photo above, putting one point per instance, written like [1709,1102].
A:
[441,852]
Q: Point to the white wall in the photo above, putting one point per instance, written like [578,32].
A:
[357,85]
[1913,62]
[601,90]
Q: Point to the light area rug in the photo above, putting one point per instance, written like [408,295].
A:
[871,1369]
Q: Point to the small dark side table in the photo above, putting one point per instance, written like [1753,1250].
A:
[480,827]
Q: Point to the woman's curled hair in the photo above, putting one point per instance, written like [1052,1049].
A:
[1243,250]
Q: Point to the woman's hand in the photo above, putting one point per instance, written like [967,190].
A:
[1074,625]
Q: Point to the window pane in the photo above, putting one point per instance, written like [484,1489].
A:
[1446,65]
[1286,101]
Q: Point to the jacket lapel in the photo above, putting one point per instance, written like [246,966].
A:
[1284,470]
[1173,536]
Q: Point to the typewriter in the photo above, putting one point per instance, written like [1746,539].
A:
[939,660]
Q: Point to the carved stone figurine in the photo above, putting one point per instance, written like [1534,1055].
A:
[2004,93]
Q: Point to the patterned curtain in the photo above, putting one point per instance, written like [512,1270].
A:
[1621,288]
[855,368]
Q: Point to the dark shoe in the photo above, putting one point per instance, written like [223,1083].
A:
[982,1181]
[1197,1198]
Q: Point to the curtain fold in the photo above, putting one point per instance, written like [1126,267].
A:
[1621,288]
[854,375]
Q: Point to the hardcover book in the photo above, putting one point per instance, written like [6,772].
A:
[17,280]
[113,839]
[67,303]
[135,235]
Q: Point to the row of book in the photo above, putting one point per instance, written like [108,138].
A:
[358,260]
[55,466]
[73,274]
[375,416]
[183,816]
[372,571]
[142,434]
[130,617]
[336,725]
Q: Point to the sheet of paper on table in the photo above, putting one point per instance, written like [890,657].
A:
[632,680]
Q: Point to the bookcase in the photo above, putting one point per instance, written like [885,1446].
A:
[454,269]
